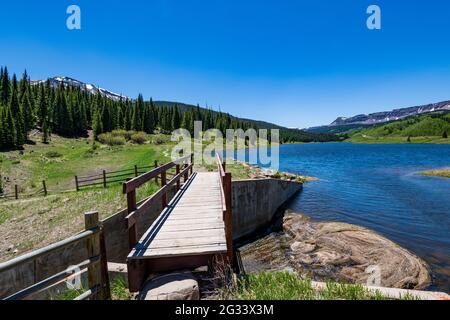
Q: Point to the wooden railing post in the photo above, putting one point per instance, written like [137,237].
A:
[44,187]
[186,174]
[93,249]
[178,181]
[16,191]
[76,184]
[106,290]
[228,216]
[192,162]
[104,178]
[163,183]
[156,166]
[131,206]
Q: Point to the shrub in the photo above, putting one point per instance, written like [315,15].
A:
[277,175]
[53,154]
[111,140]
[138,138]
[160,139]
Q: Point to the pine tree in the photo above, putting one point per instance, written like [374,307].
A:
[2,128]
[106,119]
[63,121]
[97,125]
[45,132]
[136,120]
[28,114]
[23,84]
[445,135]
[5,88]
[42,106]
[14,106]
[149,120]
[176,122]
[10,132]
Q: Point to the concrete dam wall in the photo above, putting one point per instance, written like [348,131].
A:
[256,202]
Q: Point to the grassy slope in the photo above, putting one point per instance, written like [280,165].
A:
[420,129]
[289,286]
[437,173]
[30,223]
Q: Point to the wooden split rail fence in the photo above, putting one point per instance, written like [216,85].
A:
[104,178]
[96,263]
[16,194]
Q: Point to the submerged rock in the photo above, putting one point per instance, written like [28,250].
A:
[336,251]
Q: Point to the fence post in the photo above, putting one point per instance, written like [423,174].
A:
[135,170]
[179,178]
[16,191]
[163,183]
[106,290]
[104,179]
[228,216]
[93,249]
[76,184]
[45,187]
[192,162]
[156,166]
[131,206]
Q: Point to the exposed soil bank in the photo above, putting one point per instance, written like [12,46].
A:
[335,251]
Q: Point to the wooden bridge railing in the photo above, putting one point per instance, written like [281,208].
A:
[96,263]
[184,168]
[226,193]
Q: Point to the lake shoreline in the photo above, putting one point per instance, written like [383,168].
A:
[441,173]
[335,251]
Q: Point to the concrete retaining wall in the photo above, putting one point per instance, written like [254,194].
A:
[256,202]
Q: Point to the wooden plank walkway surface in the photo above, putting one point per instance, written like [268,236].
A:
[191,225]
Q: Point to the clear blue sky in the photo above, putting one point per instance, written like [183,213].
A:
[296,63]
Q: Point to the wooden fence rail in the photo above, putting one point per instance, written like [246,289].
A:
[96,263]
[184,168]
[16,194]
[104,178]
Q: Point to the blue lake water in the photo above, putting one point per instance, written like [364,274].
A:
[377,186]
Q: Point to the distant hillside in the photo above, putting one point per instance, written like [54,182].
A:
[343,124]
[286,134]
[436,124]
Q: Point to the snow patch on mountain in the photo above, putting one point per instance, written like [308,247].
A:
[67,81]
[397,114]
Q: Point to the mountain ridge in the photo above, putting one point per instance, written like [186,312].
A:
[91,88]
[365,120]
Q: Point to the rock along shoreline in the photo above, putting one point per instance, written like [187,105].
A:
[336,251]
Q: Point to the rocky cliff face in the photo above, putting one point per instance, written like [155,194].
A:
[382,117]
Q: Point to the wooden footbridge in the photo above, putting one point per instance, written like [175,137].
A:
[193,229]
